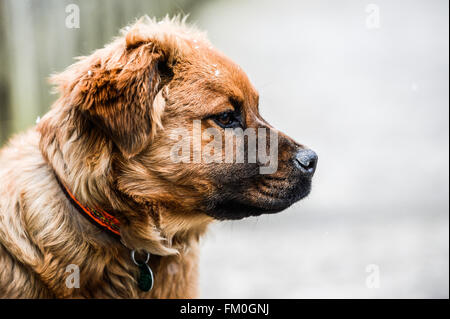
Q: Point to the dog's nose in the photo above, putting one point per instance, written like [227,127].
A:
[306,161]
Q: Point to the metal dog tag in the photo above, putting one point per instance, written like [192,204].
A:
[145,281]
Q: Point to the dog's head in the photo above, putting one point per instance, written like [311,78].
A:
[184,125]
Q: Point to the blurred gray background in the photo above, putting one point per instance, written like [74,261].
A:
[364,83]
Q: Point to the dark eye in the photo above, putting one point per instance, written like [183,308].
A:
[227,119]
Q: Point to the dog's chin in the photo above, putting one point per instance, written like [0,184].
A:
[257,203]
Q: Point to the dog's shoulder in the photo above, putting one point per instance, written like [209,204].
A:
[25,178]
[21,162]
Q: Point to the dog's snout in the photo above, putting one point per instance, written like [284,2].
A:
[306,161]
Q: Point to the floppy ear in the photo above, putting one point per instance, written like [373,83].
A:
[118,91]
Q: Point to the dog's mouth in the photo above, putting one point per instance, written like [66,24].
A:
[264,197]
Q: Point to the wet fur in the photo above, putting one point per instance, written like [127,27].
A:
[108,137]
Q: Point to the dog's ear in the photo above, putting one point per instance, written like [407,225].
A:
[118,90]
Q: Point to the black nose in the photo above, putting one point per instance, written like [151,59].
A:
[306,161]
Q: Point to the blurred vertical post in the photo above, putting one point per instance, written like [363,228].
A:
[22,64]
[4,83]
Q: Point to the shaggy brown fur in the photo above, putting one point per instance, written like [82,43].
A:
[107,138]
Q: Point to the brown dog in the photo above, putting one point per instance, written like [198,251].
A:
[102,154]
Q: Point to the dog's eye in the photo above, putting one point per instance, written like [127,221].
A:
[226,120]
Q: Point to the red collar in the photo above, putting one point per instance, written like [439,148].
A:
[96,215]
